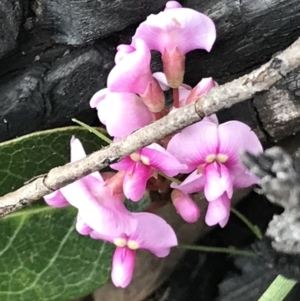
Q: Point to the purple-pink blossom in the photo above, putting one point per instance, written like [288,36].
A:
[142,165]
[98,208]
[152,233]
[186,93]
[175,32]
[132,74]
[122,113]
[211,153]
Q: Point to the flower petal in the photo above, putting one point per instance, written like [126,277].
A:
[200,89]
[82,227]
[234,137]
[157,157]
[194,144]
[185,206]
[78,153]
[241,177]
[193,183]
[132,73]
[162,80]
[174,27]
[123,165]
[122,51]
[212,118]
[56,199]
[154,234]
[123,113]
[135,181]
[98,208]
[213,188]
[172,4]
[218,211]
[218,181]
[98,97]
[122,266]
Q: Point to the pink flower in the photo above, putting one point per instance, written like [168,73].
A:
[211,152]
[122,113]
[98,209]
[185,206]
[142,165]
[187,94]
[152,233]
[218,211]
[132,74]
[200,89]
[175,32]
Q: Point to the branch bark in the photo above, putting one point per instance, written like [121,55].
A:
[217,99]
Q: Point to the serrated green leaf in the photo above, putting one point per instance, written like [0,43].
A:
[42,256]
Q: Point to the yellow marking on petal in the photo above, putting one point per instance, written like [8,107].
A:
[120,242]
[145,160]
[177,23]
[222,158]
[135,157]
[210,158]
[133,245]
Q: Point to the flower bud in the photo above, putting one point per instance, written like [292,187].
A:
[154,97]
[173,65]
[185,206]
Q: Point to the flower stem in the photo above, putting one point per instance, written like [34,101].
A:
[176,98]
[93,130]
[256,231]
[278,289]
[231,251]
[169,178]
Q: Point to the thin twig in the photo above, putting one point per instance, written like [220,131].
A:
[217,99]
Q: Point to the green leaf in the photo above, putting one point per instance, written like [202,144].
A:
[278,289]
[139,206]
[23,158]
[42,256]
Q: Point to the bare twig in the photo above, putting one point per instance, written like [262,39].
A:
[217,99]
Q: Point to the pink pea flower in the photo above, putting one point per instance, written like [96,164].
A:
[175,32]
[122,113]
[152,233]
[187,94]
[211,152]
[142,165]
[185,206]
[98,209]
[132,74]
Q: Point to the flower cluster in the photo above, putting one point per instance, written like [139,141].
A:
[202,157]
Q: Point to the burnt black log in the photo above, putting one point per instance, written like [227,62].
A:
[45,81]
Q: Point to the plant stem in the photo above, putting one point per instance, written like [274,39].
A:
[93,130]
[256,231]
[169,178]
[231,251]
[176,98]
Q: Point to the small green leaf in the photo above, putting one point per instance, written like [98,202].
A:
[42,256]
[278,289]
